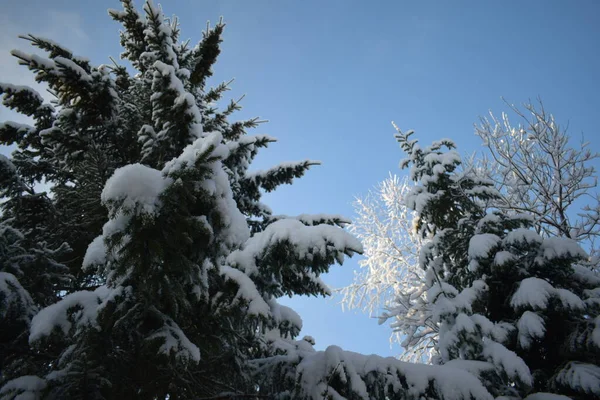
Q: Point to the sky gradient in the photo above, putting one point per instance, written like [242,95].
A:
[331,75]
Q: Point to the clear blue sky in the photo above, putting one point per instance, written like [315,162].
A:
[331,75]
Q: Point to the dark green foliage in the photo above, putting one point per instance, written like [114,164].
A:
[149,200]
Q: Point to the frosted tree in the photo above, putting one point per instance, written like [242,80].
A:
[390,277]
[517,309]
[539,171]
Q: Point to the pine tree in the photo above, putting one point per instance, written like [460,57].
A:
[517,309]
[30,275]
[182,262]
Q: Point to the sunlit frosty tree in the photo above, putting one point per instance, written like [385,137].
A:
[539,170]
[390,283]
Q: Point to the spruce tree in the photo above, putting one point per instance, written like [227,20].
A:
[177,264]
[30,275]
[519,310]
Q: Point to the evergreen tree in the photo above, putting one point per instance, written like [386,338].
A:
[30,276]
[519,310]
[182,282]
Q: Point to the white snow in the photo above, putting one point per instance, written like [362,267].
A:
[530,326]
[483,190]
[56,316]
[189,155]
[21,128]
[6,87]
[7,164]
[569,299]
[181,95]
[417,200]
[137,186]
[521,236]
[291,165]
[503,257]
[532,292]
[488,219]
[317,219]
[27,387]
[283,313]
[95,254]
[584,275]
[247,290]
[481,245]
[117,223]
[13,297]
[306,241]
[45,63]
[546,396]
[236,230]
[176,342]
[581,377]
[164,34]
[507,360]
[465,298]
[117,13]
[315,369]
[448,158]
[464,323]
[559,247]
[535,292]
[69,64]
[498,331]
[54,43]
[472,366]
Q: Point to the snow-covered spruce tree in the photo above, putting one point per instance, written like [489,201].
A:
[390,283]
[517,309]
[188,264]
[16,306]
[30,276]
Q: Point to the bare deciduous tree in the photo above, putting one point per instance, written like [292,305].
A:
[539,172]
[390,277]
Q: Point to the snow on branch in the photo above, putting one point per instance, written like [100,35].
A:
[283,173]
[338,374]
[246,291]
[135,187]
[174,341]
[75,310]
[536,293]
[307,243]
[24,388]
[15,301]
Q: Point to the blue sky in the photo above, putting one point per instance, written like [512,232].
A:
[331,75]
